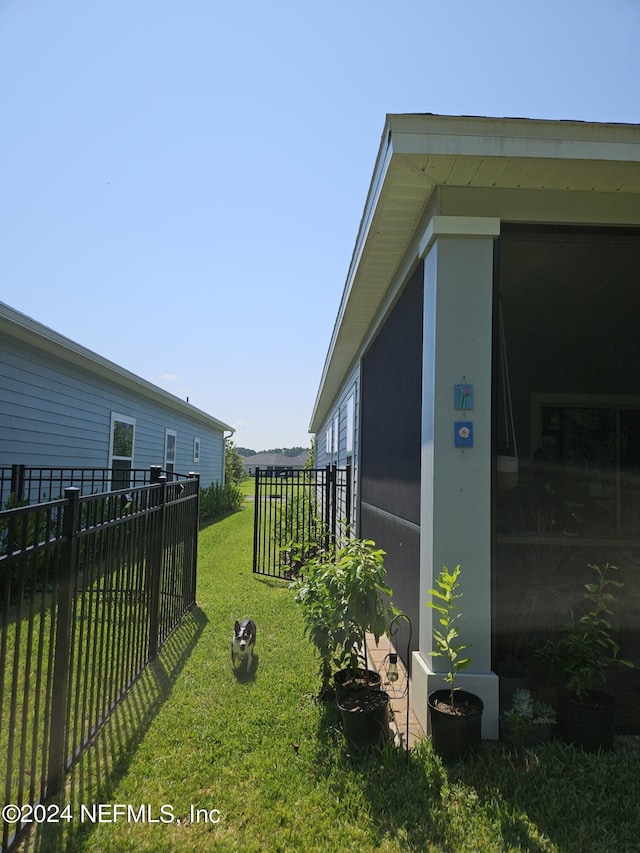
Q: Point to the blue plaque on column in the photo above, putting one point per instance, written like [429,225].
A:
[463,434]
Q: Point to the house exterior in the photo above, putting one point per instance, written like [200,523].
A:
[274,462]
[489,320]
[63,406]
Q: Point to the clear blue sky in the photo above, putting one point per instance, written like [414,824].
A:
[181,183]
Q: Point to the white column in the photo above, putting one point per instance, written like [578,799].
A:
[456,480]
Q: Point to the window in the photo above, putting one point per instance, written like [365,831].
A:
[590,449]
[122,432]
[196,449]
[170,451]
[350,423]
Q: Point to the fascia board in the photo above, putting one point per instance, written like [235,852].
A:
[518,138]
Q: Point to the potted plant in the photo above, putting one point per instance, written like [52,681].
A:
[314,597]
[527,722]
[331,603]
[345,597]
[584,652]
[454,714]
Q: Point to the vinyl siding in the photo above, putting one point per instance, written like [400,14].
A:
[56,414]
[350,387]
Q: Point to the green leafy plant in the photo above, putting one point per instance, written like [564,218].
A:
[586,649]
[359,581]
[216,499]
[444,602]
[524,714]
[344,596]
[319,613]
[299,525]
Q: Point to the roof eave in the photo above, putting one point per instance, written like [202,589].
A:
[24,328]
[408,138]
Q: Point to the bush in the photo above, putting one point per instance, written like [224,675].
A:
[215,500]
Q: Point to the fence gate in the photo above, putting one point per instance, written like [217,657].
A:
[297,512]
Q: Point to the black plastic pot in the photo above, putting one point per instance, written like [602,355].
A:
[453,735]
[345,682]
[365,718]
[589,721]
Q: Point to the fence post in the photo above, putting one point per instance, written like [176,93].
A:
[194,475]
[327,508]
[62,653]
[257,511]
[17,483]
[156,561]
[347,500]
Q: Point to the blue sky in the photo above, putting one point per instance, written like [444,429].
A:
[181,183]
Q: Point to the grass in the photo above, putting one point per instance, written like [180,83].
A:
[248,486]
[272,760]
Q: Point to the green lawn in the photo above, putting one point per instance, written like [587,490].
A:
[272,761]
[248,486]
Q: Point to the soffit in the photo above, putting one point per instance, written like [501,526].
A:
[420,153]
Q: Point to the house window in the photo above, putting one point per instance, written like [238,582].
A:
[122,433]
[350,423]
[196,449]
[589,448]
[170,439]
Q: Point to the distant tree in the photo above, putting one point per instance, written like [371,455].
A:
[245,451]
[311,461]
[234,470]
[286,451]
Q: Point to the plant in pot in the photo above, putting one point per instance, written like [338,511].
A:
[314,596]
[454,714]
[584,652]
[527,722]
[363,606]
[328,599]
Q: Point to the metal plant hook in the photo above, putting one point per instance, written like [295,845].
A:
[392,662]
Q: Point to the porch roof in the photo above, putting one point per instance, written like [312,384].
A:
[519,170]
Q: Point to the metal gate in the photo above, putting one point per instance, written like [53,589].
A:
[298,513]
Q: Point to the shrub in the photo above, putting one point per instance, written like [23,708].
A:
[215,500]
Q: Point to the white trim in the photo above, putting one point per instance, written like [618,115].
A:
[167,462]
[351,414]
[125,419]
[457,226]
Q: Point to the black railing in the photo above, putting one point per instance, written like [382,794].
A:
[298,513]
[90,588]
[27,484]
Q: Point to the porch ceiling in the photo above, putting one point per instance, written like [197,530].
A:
[420,153]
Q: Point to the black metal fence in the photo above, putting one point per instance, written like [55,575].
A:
[27,484]
[90,587]
[297,512]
